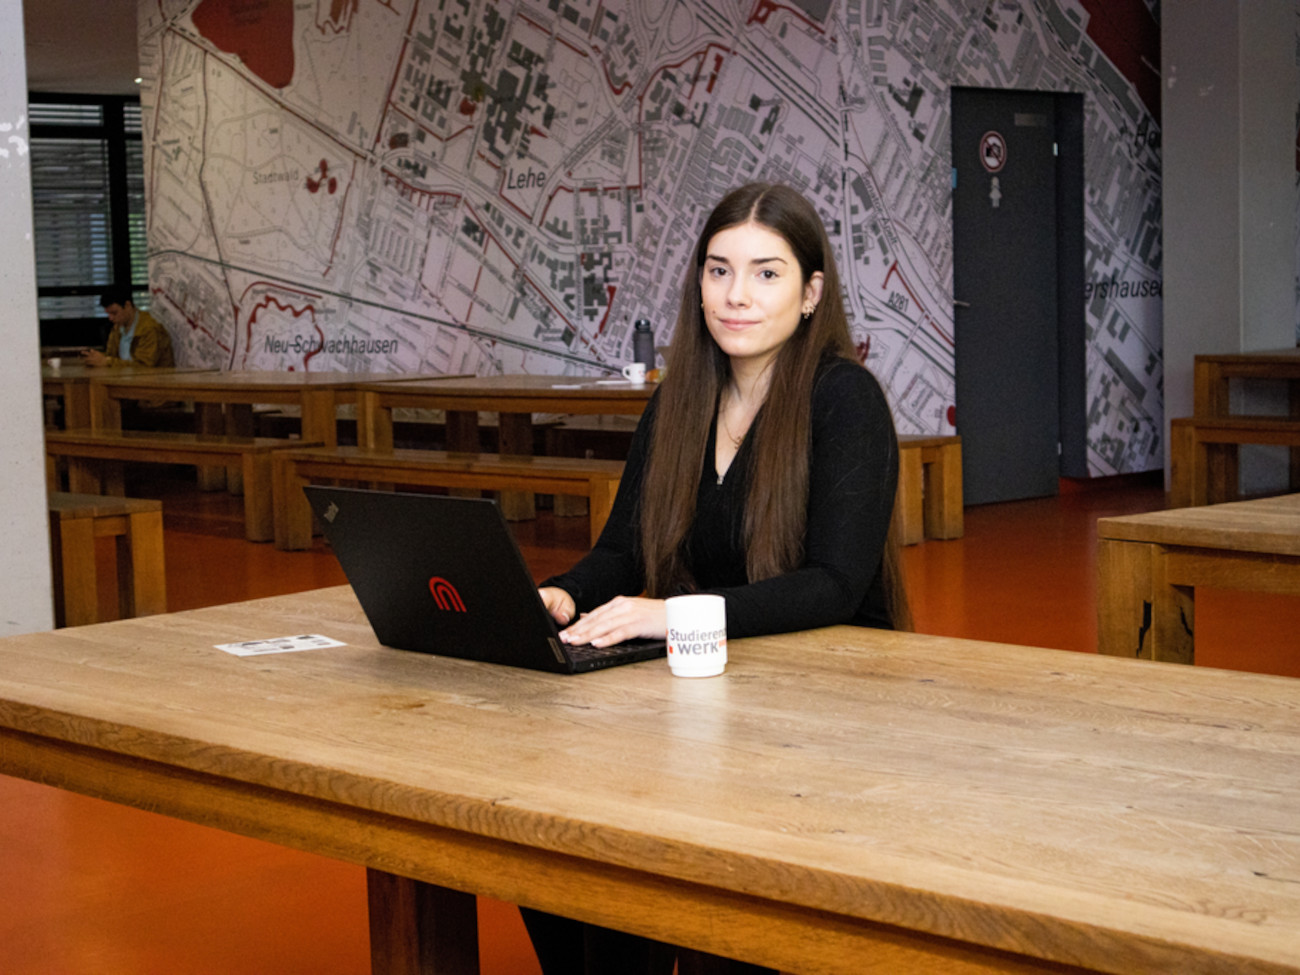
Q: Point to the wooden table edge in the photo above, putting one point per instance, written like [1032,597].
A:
[734,924]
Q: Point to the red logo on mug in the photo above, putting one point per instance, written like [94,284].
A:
[445,595]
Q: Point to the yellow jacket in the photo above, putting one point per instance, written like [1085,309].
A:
[150,345]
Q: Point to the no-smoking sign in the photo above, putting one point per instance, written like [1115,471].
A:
[993,151]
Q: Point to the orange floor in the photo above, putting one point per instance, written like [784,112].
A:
[90,887]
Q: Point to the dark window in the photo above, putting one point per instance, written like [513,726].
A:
[87,163]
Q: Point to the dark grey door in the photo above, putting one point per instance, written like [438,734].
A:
[1005,288]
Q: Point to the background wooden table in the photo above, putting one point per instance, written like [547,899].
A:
[514,398]
[224,400]
[1213,373]
[1149,566]
[838,800]
[71,383]
[317,394]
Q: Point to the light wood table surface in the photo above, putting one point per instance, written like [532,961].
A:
[841,801]
[514,398]
[1149,566]
[71,382]
[317,394]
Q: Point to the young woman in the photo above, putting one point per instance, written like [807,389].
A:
[764,469]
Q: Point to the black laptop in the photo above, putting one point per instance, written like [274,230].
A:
[443,575]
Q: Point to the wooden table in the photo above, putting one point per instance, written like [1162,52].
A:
[1212,377]
[839,801]
[514,398]
[1212,374]
[1149,565]
[317,394]
[71,382]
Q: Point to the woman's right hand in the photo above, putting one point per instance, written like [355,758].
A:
[559,604]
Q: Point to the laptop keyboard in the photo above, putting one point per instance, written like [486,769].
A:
[585,657]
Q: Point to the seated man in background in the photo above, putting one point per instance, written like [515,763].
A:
[136,339]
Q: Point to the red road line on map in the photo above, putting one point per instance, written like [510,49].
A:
[487,232]
[473,292]
[428,131]
[413,191]
[338,227]
[572,47]
[609,304]
[348,26]
[266,302]
[604,69]
[278,287]
[502,196]
[902,279]
[194,326]
[397,70]
[532,23]
[697,56]
[765,8]
[551,199]
[320,346]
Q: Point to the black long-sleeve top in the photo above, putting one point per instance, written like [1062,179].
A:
[854,473]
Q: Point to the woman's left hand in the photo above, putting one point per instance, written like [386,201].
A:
[622,618]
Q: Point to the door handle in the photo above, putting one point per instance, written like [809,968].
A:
[960,304]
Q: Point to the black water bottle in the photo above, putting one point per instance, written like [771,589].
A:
[643,343]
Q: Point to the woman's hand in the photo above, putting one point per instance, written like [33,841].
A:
[558,603]
[622,618]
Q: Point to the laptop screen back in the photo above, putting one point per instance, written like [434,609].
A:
[439,575]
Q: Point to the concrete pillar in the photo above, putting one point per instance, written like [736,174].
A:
[25,594]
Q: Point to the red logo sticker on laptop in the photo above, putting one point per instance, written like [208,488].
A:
[445,595]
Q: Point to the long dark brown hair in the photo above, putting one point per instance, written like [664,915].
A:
[776,509]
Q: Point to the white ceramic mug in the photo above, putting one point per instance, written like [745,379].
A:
[697,635]
[634,371]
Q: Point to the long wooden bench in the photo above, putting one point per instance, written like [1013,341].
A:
[135,524]
[94,460]
[596,480]
[1203,454]
[929,496]
[1149,565]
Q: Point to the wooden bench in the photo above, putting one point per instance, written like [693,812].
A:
[1149,565]
[93,460]
[596,480]
[929,498]
[1203,454]
[76,520]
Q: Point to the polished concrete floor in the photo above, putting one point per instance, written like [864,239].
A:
[90,887]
